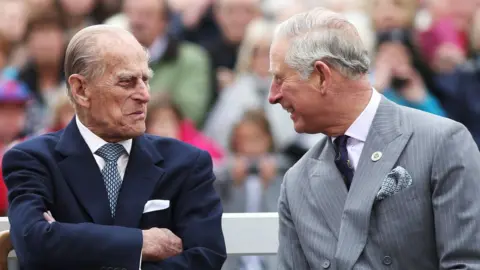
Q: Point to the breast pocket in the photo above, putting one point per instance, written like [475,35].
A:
[156,213]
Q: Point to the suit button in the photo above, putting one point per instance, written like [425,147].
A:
[326,264]
[387,260]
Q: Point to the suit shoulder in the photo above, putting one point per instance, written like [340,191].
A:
[41,143]
[300,167]
[174,147]
[429,125]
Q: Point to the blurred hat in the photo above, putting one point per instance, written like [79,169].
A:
[12,91]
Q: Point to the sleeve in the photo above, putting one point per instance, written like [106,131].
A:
[198,218]
[290,253]
[59,245]
[456,204]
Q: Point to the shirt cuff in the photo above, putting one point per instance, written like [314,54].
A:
[140,265]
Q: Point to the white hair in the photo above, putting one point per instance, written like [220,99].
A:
[321,34]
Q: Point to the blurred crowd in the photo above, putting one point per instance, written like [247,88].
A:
[210,60]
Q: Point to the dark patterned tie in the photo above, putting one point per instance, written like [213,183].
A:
[110,152]
[344,164]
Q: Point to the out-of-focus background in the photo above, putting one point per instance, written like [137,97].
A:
[210,59]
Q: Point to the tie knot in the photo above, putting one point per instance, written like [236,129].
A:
[341,141]
[110,151]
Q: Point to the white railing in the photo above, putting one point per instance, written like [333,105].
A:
[245,234]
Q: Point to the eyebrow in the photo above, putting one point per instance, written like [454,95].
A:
[125,75]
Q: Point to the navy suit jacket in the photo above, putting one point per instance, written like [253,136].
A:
[58,172]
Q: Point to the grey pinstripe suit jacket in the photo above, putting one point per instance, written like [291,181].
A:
[432,224]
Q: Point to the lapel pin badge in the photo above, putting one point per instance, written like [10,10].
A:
[376,156]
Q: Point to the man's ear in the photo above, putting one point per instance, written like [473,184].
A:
[324,74]
[78,89]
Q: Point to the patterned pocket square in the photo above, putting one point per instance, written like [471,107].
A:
[395,181]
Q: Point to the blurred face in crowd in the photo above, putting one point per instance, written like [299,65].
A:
[78,7]
[114,105]
[305,100]
[461,11]
[261,58]
[12,121]
[46,45]
[163,122]
[251,140]
[233,17]
[13,19]
[146,19]
[391,14]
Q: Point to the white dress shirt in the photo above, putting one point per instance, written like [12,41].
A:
[94,143]
[359,129]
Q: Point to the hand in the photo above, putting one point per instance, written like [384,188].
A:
[48,217]
[447,57]
[239,170]
[160,244]
[268,170]
[383,68]
[414,91]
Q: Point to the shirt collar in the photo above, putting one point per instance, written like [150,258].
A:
[94,142]
[361,126]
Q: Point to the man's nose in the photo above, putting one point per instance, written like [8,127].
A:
[143,93]
[274,95]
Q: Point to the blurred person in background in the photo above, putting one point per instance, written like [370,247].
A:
[76,14]
[6,71]
[233,17]
[461,87]
[180,68]
[165,119]
[36,7]
[14,97]
[394,20]
[250,180]
[395,76]
[249,90]
[105,9]
[43,73]
[14,15]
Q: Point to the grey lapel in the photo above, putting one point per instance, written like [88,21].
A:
[327,185]
[388,135]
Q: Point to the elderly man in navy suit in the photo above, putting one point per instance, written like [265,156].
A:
[101,194]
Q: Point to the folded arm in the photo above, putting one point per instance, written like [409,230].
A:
[198,217]
[456,204]
[59,245]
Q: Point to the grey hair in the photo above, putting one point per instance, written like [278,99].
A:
[321,34]
[83,54]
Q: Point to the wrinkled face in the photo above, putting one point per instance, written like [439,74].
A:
[390,14]
[145,19]
[12,121]
[117,101]
[300,98]
[234,16]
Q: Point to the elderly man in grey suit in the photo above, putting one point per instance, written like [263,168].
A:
[388,187]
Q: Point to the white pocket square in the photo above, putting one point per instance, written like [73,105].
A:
[155,205]
[395,181]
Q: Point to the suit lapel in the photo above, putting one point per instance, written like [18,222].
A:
[82,174]
[141,177]
[388,136]
[327,186]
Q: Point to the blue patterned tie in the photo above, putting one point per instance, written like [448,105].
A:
[110,152]
[344,164]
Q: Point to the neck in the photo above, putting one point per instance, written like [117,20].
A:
[95,129]
[351,106]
